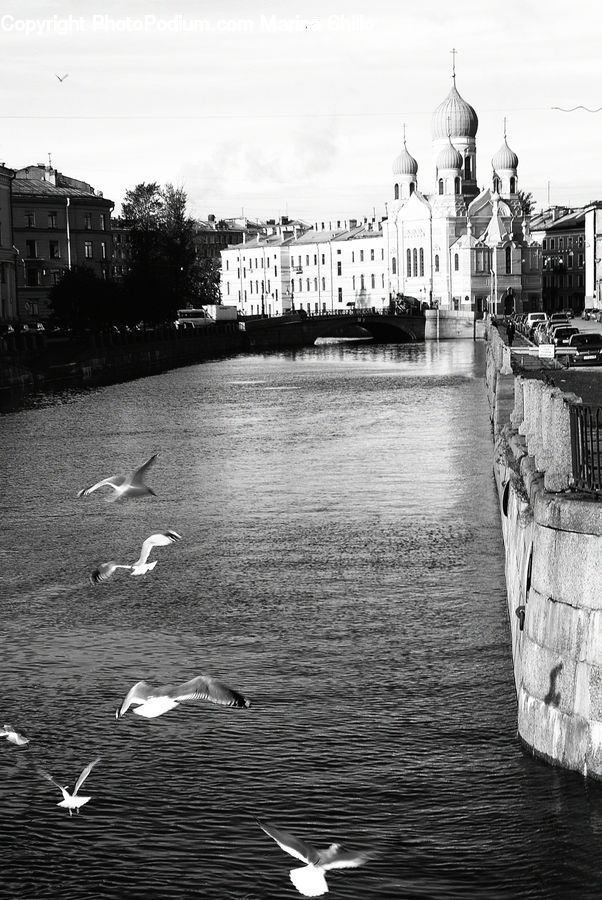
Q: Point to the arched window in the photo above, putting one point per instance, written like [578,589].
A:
[308,284]
[383,279]
[421,262]
[362,286]
[508,260]
[440,185]
[412,187]
[496,184]
[415,259]
[393,265]
[397,192]
[436,262]
[315,284]
[353,282]
[467,169]
[372,282]
[409,263]
[456,262]
[457,185]
[300,284]
[513,185]
[323,284]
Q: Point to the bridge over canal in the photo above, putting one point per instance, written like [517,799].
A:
[297,331]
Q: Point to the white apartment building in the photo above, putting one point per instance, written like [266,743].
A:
[256,275]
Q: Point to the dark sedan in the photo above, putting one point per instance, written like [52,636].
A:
[587,349]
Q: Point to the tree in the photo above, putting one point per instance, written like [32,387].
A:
[163,275]
[81,300]
[527,203]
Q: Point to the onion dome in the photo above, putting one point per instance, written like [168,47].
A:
[449,158]
[505,158]
[405,164]
[454,117]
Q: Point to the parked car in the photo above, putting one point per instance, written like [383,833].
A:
[589,312]
[533,318]
[563,335]
[588,349]
[540,333]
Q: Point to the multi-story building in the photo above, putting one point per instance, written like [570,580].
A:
[256,274]
[334,268]
[593,257]
[58,222]
[121,252]
[8,293]
[561,233]
[213,236]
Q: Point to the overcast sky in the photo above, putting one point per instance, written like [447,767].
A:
[297,109]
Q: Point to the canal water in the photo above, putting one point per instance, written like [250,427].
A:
[342,566]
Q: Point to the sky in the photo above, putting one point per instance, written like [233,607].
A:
[277,108]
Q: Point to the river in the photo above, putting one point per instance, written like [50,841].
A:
[341,564]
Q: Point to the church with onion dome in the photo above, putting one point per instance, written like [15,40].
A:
[461,246]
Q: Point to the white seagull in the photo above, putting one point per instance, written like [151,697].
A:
[154,701]
[13,736]
[72,801]
[124,485]
[141,566]
[61,78]
[309,879]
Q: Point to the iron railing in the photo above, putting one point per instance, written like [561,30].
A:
[586,447]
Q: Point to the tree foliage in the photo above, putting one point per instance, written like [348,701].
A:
[81,300]
[165,274]
[527,202]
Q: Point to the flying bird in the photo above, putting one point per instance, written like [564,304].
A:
[61,78]
[309,879]
[72,801]
[141,566]
[154,701]
[124,486]
[13,736]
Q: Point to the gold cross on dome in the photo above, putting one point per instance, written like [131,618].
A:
[453,52]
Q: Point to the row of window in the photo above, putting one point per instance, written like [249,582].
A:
[550,243]
[52,221]
[567,259]
[54,251]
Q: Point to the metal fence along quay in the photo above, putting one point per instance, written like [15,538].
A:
[586,447]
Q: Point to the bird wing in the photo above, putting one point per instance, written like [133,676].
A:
[84,775]
[105,570]
[203,687]
[49,778]
[337,858]
[137,477]
[139,693]
[290,844]
[115,481]
[162,539]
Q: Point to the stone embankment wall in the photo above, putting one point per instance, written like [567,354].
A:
[553,543]
[31,362]
[451,325]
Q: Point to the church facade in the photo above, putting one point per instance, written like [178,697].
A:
[461,247]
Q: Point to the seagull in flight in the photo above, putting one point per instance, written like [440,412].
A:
[13,736]
[154,701]
[61,78]
[124,486]
[72,801]
[141,566]
[309,879]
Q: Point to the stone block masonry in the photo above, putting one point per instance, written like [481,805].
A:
[553,543]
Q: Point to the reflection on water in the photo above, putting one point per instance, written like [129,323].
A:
[341,565]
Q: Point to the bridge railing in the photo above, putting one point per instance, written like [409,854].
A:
[586,447]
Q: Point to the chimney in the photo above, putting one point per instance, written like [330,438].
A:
[352,223]
[211,218]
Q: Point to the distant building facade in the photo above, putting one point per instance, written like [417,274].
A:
[213,236]
[593,257]
[58,222]
[561,233]
[8,290]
